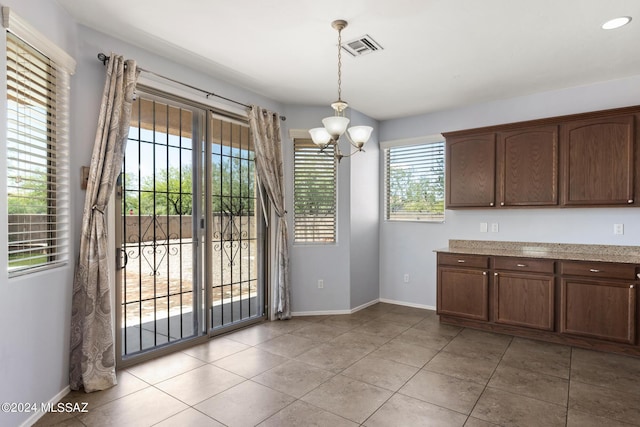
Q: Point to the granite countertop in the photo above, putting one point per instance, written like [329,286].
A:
[578,252]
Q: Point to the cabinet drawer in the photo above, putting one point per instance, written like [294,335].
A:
[477,261]
[528,265]
[598,269]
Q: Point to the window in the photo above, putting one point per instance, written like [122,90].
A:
[36,152]
[314,193]
[414,181]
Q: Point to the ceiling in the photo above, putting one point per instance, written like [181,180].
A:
[438,54]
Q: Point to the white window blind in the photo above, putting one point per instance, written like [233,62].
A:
[414,182]
[314,193]
[37,159]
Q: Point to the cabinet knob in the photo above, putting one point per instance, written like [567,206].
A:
[501,203]
[630,201]
[495,274]
[521,265]
[593,270]
[461,261]
[631,286]
[491,204]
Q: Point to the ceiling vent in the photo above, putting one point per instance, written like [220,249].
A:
[361,46]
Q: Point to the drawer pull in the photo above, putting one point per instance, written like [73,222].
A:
[521,265]
[461,261]
[593,270]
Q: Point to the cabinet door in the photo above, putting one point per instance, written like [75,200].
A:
[524,300]
[598,161]
[463,293]
[471,171]
[598,309]
[528,167]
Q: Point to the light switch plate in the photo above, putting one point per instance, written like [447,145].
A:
[494,227]
[484,227]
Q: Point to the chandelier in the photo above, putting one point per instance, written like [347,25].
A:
[335,126]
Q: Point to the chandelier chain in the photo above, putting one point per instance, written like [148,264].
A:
[340,65]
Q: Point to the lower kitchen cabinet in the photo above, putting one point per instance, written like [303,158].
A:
[463,293]
[522,299]
[582,303]
[603,309]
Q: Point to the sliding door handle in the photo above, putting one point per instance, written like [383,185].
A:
[120,265]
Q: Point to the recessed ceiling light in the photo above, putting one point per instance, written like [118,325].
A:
[614,23]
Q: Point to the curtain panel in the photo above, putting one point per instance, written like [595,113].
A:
[265,131]
[92,358]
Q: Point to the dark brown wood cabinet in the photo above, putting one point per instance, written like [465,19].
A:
[528,167]
[471,171]
[598,161]
[598,300]
[589,159]
[594,304]
[464,290]
[524,292]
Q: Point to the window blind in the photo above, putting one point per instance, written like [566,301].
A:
[414,182]
[314,193]
[37,159]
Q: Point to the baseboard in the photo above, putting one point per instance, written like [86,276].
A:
[39,414]
[334,312]
[365,305]
[320,313]
[360,307]
[407,304]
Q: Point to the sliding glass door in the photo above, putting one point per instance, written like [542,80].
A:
[236,232]
[189,237]
[160,296]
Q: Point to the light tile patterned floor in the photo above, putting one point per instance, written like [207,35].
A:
[386,365]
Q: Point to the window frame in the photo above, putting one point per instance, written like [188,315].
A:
[59,66]
[324,157]
[386,149]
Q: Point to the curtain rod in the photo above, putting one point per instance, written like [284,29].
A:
[104,59]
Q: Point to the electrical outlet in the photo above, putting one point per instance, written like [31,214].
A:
[320,284]
[406,278]
[483,227]
[494,227]
[618,228]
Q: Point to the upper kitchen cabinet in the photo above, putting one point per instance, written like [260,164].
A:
[598,161]
[471,171]
[582,160]
[528,167]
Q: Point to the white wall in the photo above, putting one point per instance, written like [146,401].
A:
[365,218]
[35,309]
[408,247]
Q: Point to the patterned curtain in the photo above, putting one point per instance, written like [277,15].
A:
[265,131]
[92,359]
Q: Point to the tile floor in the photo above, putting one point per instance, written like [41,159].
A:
[386,365]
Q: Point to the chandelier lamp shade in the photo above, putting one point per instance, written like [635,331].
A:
[335,126]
